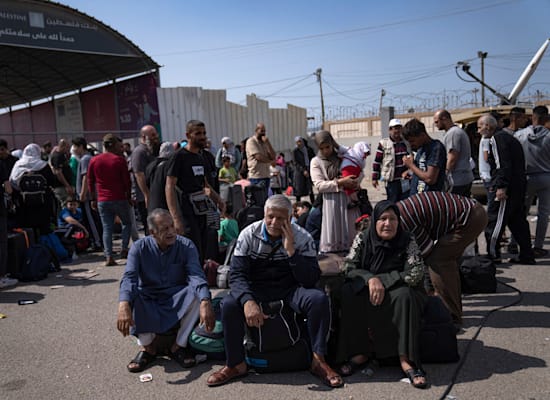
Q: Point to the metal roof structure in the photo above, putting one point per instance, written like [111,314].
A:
[47,49]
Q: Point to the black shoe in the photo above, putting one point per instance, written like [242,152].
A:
[513,249]
[524,261]
[538,252]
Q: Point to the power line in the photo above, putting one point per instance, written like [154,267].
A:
[373,28]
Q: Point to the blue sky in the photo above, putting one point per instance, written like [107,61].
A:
[407,48]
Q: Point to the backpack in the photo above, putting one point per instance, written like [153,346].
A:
[210,343]
[38,262]
[248,215]
[54,243]
[478,275]
[295,358]
[33,189]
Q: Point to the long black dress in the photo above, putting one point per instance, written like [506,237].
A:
[394,325]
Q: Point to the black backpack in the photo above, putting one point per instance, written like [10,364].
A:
[478,275]
[38,262]
[33,189]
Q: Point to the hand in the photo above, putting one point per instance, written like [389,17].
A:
[376,290]
[306,173]
[501,194]
[375,184]
[288,238]
[207,316]
[253,314]
[124,319]
[349,182]
[93,204]
[70,190]
[408,161]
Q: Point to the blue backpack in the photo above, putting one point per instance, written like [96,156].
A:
[53,242]
[210,343]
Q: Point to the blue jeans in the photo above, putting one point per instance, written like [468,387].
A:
[539,185]
[261,182]
[107,211]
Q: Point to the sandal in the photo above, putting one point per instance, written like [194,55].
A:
[184,357]
[414,373]
[143,359]
[327,375]
[350,367]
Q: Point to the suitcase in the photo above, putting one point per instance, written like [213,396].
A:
[235,197]
[30,235]
[17,247]
[437,337]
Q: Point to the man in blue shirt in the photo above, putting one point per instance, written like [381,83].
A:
[163,285]
[428,167]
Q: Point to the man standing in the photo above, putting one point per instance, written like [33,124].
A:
[274,260]
[518,120]
[140,158]
[110,191]
[259,155]
[508,181]
[163,284]
[443,224]
[59,162]
[4,186]
[91,218]
[428,167]
[388,163]
[458,168]
[187,186]
[535,141]
[5,157]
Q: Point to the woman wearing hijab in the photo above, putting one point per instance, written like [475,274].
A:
[384,298]
[228,149]
[337,227]
[34,217]
[302,156]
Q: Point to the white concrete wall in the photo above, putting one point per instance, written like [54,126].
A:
[224,118]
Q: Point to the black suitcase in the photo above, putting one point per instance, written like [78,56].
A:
[236,198]
[17,247]
[478,275]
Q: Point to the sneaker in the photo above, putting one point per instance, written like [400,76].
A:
[7,282]
[513,249]
[538,252]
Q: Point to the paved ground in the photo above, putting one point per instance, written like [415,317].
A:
[66,346]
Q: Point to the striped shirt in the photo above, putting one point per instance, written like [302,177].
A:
[400,150]
[431,215]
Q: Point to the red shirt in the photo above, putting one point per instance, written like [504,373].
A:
[108,176]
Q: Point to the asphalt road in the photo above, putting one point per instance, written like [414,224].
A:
[66,346]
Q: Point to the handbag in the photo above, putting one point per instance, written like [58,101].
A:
[199,202]
[280,329]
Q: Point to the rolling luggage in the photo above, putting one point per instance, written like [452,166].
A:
[17,248]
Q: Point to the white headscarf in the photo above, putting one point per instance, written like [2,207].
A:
[30,161]
[230,150]
[356,154]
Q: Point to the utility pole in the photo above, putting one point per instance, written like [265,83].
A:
[318,74]
[483,56]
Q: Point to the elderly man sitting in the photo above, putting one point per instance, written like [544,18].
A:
[163,284]
[274,260]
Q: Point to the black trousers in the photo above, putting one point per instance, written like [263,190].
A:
[313,304]
[511,213]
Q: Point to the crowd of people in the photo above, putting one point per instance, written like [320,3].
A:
[409,250]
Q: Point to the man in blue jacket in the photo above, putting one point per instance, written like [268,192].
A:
[274,260]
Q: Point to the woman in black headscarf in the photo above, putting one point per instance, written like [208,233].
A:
[384,298]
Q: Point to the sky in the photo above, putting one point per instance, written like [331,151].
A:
[409,49]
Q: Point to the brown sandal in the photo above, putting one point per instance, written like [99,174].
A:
[224,375]
[327,375]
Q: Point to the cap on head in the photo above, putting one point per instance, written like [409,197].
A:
[395,122]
